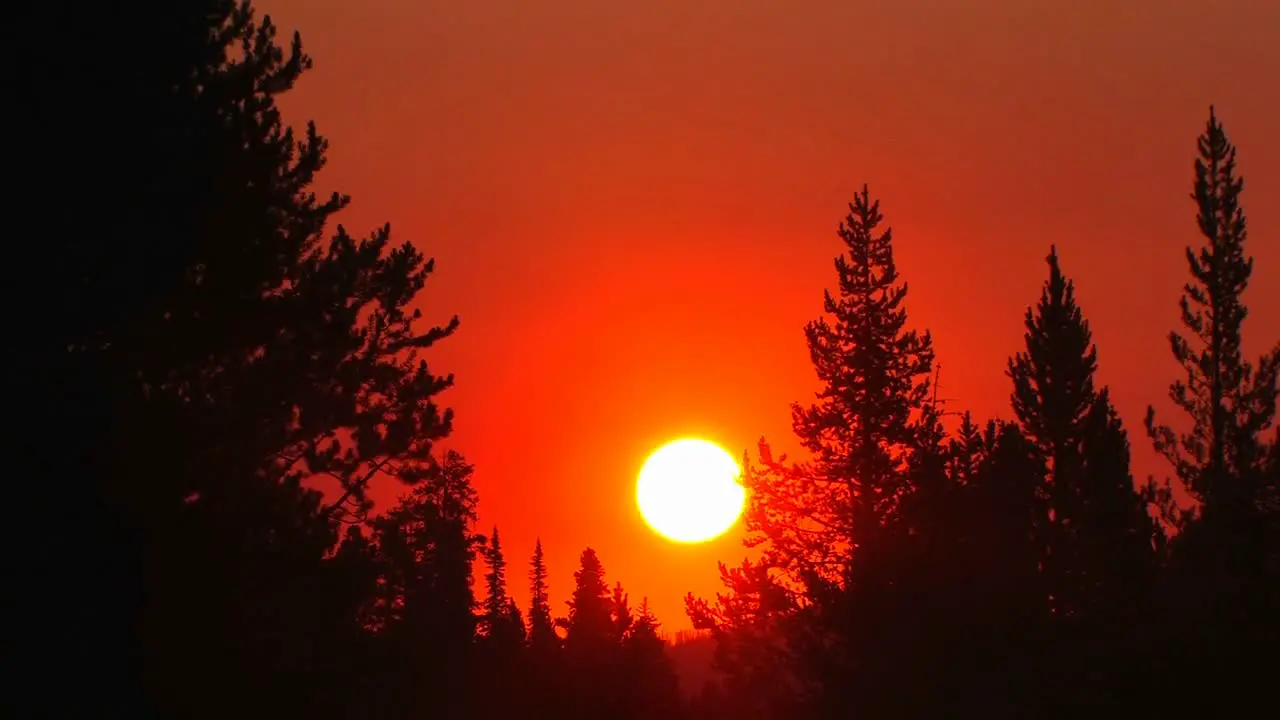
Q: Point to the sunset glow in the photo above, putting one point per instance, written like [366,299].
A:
[688,491]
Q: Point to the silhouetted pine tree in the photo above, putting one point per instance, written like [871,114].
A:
[1002,604]
[652,689]
[424,616]
[515,622]
[591,644]
[542,633]
[815,520]
[547,686]
[875,381]
[1097,538]
[217,350]
[589,625]
[751,624]
[501,681]
[966,450]
[1226,560]
[495,581]
[620,611]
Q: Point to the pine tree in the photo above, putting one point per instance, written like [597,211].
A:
[591,644]
[589,627]
[221,346]
[966,451]
[1097,540]
[1001,600]
[547,686]
[495,580]
[1229,401]
[514,620]
[872,436]
[620,610]
[542,634]
[1097,535]
[875,372]
[652,687]
[1226,559]
[424,617]
[504,635]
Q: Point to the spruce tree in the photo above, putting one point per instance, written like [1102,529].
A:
[1230,402]
[214,344]
[547,686]
[620,610]
[1225,579]
[872,437]
[424,616]
[652,687]
[495,580]
[1097,535]
[966,451]
[589,627]
[874,370]
[592,645]
[542,634]
[501,621]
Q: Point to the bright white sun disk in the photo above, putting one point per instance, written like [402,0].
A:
[688,491]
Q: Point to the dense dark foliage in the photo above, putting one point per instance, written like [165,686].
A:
[1013,570]
[225,376]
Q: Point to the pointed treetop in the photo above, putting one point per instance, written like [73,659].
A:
[1053,377]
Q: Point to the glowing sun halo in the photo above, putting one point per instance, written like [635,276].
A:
[688,491]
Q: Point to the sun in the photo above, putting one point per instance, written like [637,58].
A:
[688,491]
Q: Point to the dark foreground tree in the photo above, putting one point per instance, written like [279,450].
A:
[501,675]
[590,642]
[207,349]
[423,618]
[1096,540]
[652,689]
[542,634]
[1225,580]
[815,519]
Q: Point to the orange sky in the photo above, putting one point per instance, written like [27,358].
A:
[632,206]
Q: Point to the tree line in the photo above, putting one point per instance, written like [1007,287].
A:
[1013,567]
[197,343]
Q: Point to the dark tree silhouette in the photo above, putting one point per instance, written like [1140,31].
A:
[1226,561]
[542,634]
[589,626]
[1097,540]
[496,605]
[652,688]
[808,517]
[620,611]
[591,644]
[501,681]
[424,614]
[214,350]
[547,682]
[1230,402]
[814,519]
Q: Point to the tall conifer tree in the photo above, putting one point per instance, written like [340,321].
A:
[1097,535]
[1096,538]
[211,343]
[818,521]
[495,581]
[1231,403]
[542,634]
[1225,580]
[874,370]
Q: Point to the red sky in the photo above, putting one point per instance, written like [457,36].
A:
[633,208]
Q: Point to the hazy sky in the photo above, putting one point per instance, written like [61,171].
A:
[633,209]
